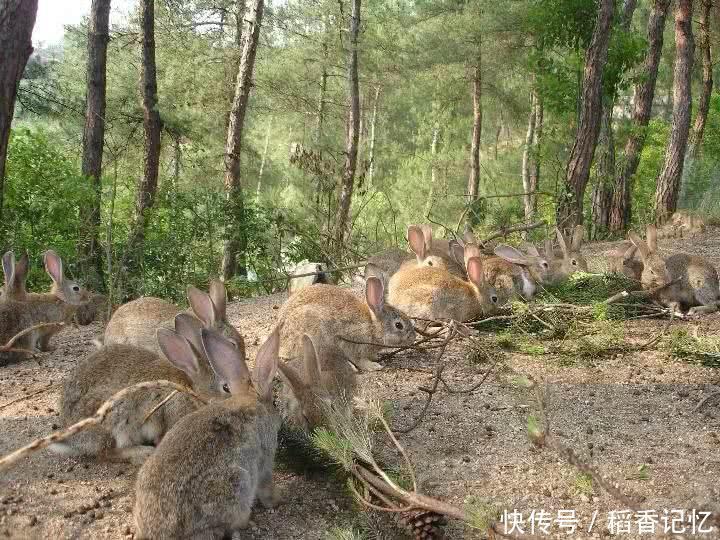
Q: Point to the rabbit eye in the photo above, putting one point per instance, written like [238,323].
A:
[430,263]
[494,299]
[76,288]
[226,388]
[652,272]
[544,264]
[399,325]
[574,262]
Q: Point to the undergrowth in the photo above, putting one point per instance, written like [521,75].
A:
[704,351]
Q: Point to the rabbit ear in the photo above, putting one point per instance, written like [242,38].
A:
[374,294]
[218,295]
[562,241]
[629,253]
[471,250]
[549,254]
[427,234]
[475,271]
[8,264]
[577,238]
[457,252]
[373,270]
[178,351]
[531,249]
[202,306]
[53,266]
[311,361]
[293,379]
[510,254]
[189,327]
[21,269]
[416,239]
[640,244]
[469,237]
[266,364]
[226,361]
[651,236]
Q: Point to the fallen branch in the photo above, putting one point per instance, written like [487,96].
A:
[94,420]
[705,400]
[22,398]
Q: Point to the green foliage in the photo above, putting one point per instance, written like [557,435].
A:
[482,512]
[584,484]
[44,196]
[691,348]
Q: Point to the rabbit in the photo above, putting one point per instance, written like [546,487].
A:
[433,293]
[623,261]
[686,282]
[205,475]
[515,273]
[95,308]
[427,251]
[124,436]
[57,306]
[135,323]
[569,259]
[309,387]
[295,284]
[328,313]
[15,277]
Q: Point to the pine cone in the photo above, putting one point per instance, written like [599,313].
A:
[423,525]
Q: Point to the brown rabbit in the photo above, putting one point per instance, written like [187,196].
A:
[332,315]
[515,274]
[310,387]
[135,323]
[569,259]
[432,293]
[15,277]
[427,251]
[623,261]
[57,306]
[687,281]
[124,435]
[206,474]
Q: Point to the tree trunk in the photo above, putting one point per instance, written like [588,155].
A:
[570,206]
[263,159]
[17,20]
[621,209]
[433,169]
[152,124]
[473,186]
[371,149]
[707,86]
[668,182]
[235,240]
[94,134]
[535,155]
[602,191]
[352,130]
[526,161]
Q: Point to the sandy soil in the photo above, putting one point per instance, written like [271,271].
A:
[630,415]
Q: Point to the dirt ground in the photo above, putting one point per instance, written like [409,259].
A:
[631,416]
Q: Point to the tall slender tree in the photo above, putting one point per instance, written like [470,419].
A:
[94,132]
[235,240]
[17,20]
[620,208]
[352,129]
[473,186]
[152,125]
[570,207]
[668,183]
[707,81]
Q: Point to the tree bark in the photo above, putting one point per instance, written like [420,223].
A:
[373,125]
[668,182]
[473,187]
[707,86]
[94,134]
[235,239]
[17,20]
[602,191]
[152,124]
[352,130]
[570,207]
[263,159]
[535,155]
[526,160]
[621,209]
[433,169]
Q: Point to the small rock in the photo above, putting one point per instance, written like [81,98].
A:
[589,430]
[645,418]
